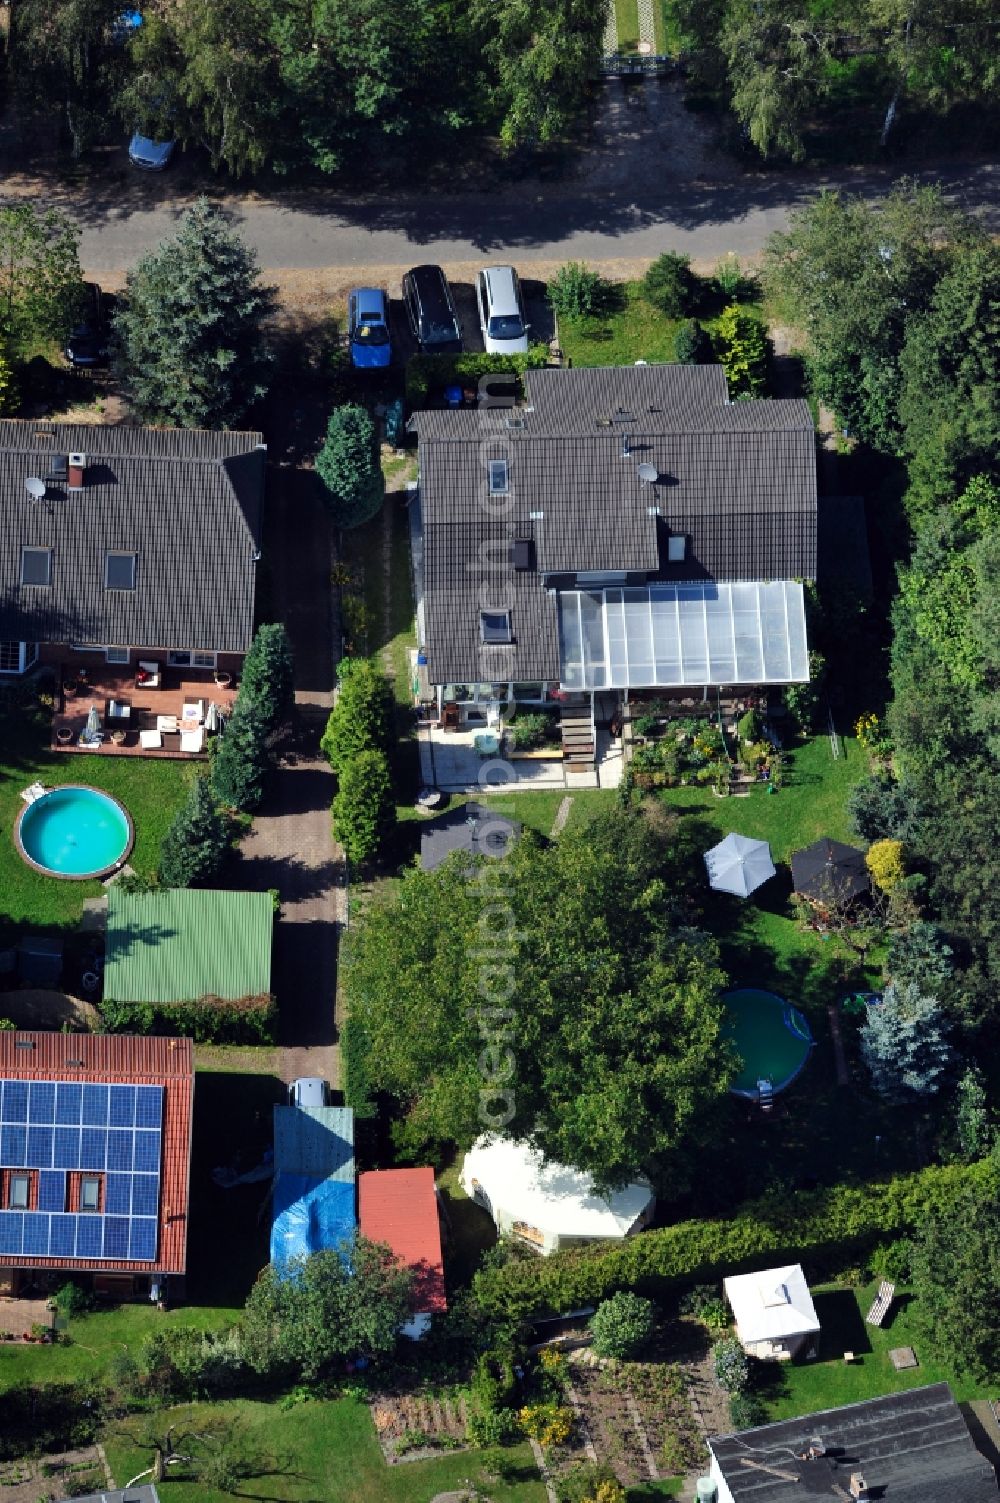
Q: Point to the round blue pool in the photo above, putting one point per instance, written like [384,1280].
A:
[74,832]
[771,1037]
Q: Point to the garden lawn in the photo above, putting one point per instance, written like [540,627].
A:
[322,1449]
[805,1387]
[152,791]
[631,331]
[627,17]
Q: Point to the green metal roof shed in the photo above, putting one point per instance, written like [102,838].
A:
[184,944]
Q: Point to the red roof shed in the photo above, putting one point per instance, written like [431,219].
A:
[399,1207]
[95,1152]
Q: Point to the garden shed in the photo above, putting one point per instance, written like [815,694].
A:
[400,1208]
[546,1205]
[774,1312]
[187,945]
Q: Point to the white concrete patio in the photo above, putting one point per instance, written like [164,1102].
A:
[450,761]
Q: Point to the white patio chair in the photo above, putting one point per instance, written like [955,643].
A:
[193,741]
[150,740]
[31,793]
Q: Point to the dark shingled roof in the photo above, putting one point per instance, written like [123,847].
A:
[912,1447]
[737,480]
[188,503]
[475,828]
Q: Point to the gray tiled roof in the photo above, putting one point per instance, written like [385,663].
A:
[188,503]
[912,1447]
[737,480]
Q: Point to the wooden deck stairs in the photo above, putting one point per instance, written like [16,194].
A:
[579,740]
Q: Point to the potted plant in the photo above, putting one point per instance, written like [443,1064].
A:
[222,678]
[69,687]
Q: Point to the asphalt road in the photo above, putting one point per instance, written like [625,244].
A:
[649,180]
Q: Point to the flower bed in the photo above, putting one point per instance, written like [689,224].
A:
[412,1427]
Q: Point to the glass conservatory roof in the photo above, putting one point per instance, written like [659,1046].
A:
[672,635]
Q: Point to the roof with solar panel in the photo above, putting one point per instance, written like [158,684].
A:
[95,1145]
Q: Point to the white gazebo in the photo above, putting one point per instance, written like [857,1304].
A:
[548,1205]
[774,1311]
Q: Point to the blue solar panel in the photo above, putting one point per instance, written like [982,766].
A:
[36,1235]
[93,1147]
[68,1101]
[122,1113]
[51,1190]
[11,1231]
[15,1101]
[95,1106]
[41,1101]
[120,1150]
[147,1153]
[145,1194]
[62,1236]
[66,1154]
[116,1229]
[142,1239]
[39,1155]
[89,1236]
[13,1146]
[117,1194]
[148,1105]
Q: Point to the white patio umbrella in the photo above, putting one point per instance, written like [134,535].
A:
[212,718]
[93,726]
[739,865]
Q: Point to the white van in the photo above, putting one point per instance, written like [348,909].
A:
[501,311]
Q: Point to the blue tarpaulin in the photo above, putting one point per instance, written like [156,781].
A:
[310,1215]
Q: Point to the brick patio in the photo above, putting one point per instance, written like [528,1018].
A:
[178,686]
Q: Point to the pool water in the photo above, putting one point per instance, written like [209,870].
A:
[75,832]
[771,1037]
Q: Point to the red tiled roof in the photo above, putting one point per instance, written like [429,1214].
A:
[399,1207]
[116,1059]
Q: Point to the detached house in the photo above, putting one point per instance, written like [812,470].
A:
[627,529]
[124,543]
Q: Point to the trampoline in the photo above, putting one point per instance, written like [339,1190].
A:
[771,1037]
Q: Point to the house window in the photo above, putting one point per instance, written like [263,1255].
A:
[676,548]
[499,480]
[36,566]
[494,627]
[15,657]
[119,571]
[183,657]
[117,654]
[17,1192]
[90,1193]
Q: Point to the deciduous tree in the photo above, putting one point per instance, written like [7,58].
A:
[956,1281]
[41,286]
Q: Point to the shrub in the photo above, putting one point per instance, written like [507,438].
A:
[745,351]
[669,284]
[348,465]
[729,277]
[267,680]
[183,1363]
[885,863]
[530,730]
[622,1325]
[195,845]
[879,807]
[549,1424]
[692,345]
[750,726]
[361,719]
[240,759]
[589,1482]
[426,371]
[492,1427]
[746,1410]
[73,1300]
[706,1304]
[920,954]
[646,725]
[892,1260]
[730,1364]
[577,292]
[210,1020]
[802,701]
[363,809]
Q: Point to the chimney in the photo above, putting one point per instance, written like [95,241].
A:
[76,479]
[858,1486]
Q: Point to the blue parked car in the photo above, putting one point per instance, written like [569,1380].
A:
[368,328]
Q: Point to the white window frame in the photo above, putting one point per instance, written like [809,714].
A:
[27,654]
[14,1202]
[36,584]
[90,1179]
[499,470]
[188,657]
[118,655]
[111,553]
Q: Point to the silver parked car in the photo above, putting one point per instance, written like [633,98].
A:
[501,311]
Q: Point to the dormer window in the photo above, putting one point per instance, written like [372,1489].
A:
[499,478]
[36,566]
[676,548]
[494,628]
[119,571]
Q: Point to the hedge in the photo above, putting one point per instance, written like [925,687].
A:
[424,372]
[760,1233]
[355,1054]
[211,1020]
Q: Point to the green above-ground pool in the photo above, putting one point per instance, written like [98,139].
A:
[771,1037]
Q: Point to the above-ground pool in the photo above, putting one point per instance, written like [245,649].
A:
[770,1036]
[74,832]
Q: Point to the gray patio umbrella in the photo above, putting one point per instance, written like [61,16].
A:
[829,871]
[93,727]
[739,865]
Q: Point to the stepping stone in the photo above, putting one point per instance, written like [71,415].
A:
[902,1357]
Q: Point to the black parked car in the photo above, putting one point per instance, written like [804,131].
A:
[89,342]
[431,312]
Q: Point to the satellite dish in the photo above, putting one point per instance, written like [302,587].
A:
[35,488]
[649,474]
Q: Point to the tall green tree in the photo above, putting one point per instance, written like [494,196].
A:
[192,348]
[956,1278]
[348,465]
[904,1043]
[361,717]
[195,845]
[777,58]
[268,677]
[541,57]
[364,811]
[240,759]
[69,56]
[41,285]
[598,1004]
[323,1309]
